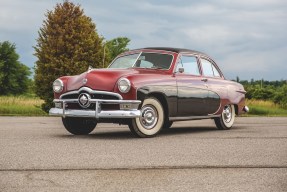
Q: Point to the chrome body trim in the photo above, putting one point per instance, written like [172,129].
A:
[192,118]
[218,108]
[97,112]
[91,91]
[241,91]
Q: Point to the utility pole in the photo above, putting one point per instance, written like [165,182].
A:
[104,54]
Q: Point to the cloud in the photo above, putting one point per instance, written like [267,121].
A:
[246,38]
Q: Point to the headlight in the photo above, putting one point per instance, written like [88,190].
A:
[58,86]
[124,85]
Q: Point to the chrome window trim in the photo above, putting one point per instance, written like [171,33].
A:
[137,59]
[188,55]
[215,66]
[91,91]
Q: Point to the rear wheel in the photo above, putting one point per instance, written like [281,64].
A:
[226,120]
[151,120]
[79,126]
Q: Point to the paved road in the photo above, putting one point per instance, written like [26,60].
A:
[37,154]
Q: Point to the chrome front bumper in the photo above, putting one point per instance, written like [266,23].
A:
[130,109]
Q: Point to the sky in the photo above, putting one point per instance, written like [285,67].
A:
[246,38]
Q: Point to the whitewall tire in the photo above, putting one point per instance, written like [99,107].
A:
[151,120]
[227,118]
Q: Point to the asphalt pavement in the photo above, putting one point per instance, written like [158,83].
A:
[38,154]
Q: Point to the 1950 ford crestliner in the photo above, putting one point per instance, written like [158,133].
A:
[148,89]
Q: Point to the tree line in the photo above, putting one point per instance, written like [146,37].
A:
[275,91]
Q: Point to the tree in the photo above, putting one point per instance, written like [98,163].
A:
[280,96]
[237,79]
[68,44]
[13,74]
[116,46]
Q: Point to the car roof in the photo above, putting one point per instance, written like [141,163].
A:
[176,50]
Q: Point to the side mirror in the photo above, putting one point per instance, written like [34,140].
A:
[181,70]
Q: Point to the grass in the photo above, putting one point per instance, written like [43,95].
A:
[31,106]
[264,108]
[20,106]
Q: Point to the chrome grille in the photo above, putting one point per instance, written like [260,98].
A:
[102,95]
[93,96]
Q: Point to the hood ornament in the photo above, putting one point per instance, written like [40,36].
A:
[90,68]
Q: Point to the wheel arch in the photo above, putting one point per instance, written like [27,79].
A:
[159,96]
[236,109]
[162,99]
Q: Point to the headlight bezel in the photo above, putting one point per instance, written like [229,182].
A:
[59,83]
[124,82]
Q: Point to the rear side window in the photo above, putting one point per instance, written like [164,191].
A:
[209,69]
[189,63]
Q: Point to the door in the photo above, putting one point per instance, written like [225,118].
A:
[213,80]
[192,91]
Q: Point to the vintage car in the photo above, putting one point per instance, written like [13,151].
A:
[148,89]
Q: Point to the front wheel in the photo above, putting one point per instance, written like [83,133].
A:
[79,126]
[151,120]
[226,120]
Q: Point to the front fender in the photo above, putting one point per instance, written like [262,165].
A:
[167,95]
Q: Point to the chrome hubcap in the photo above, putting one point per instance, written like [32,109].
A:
[227,114]
[149,117]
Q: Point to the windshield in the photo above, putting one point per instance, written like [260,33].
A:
[143,60]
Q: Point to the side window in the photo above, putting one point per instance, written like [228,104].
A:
[209,69]
[189,63]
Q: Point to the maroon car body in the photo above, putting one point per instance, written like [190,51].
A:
[148,89]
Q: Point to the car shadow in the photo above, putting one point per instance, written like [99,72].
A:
[112,135]
[186,130]
[123,134]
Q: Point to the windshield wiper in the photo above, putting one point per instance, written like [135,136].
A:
[155,67]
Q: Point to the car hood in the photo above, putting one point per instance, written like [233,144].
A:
[97,79]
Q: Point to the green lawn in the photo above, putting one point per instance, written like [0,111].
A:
[31,106]
[20,106]
[264,108]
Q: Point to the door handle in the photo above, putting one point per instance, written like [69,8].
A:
[204,79]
